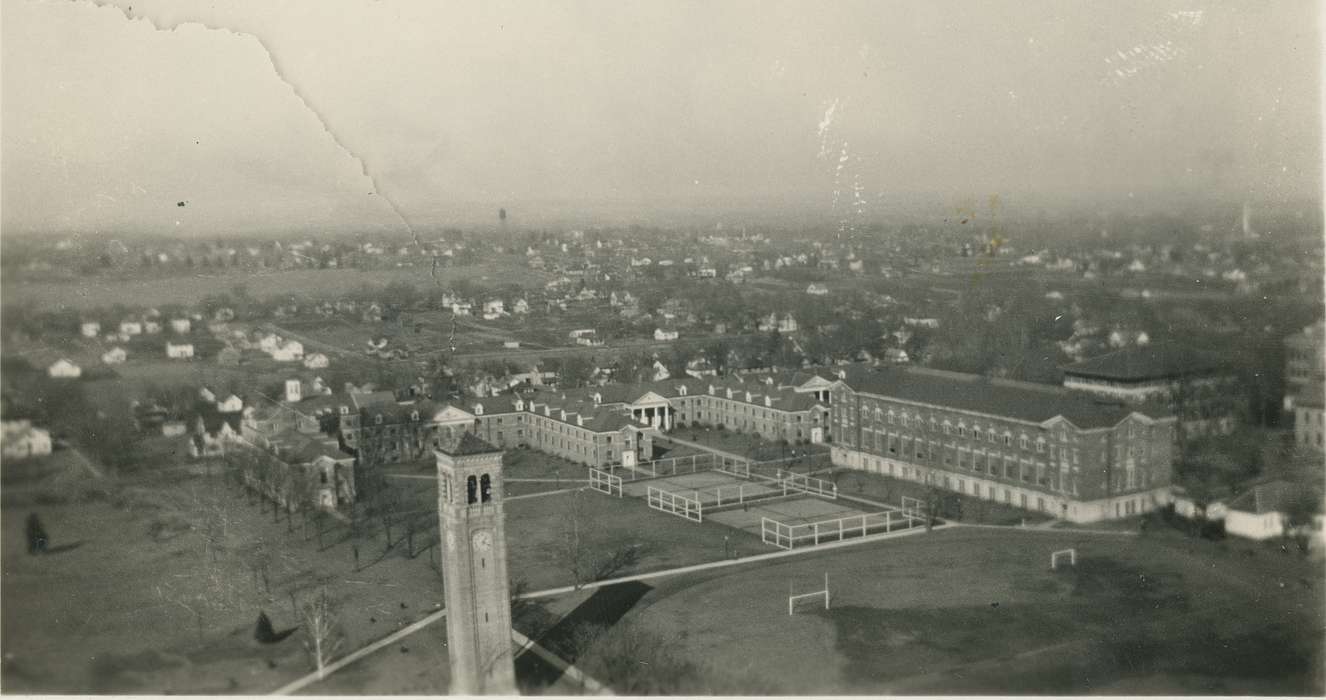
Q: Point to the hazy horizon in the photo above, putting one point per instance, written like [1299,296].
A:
[261,119]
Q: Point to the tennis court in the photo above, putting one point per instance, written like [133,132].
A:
[800,510]
[710,488]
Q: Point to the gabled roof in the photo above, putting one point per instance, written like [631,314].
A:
[1146,362]
[1025,401]
[470,444]
[1267,497]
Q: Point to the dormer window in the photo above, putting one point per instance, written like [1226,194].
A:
[748,397]
[768,401]
[478,409]
[729,393]
[520,405]
[598,398]
[711,388]
[345,410]
[377,420]
[681,390]
[414,416]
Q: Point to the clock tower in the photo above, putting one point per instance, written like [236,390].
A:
[471,521]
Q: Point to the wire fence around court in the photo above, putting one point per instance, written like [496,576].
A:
[675,503]
[808,484]
[605,482]
[792,535]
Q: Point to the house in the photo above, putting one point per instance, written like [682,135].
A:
[115,356]
[896,356]
[182,351]
[228,356]
[316,361]
[665,334]
[151,327]
[289,351]
[181,325]
[224,314]
[520,307]
[89,329]
[493,309]
[174,428]
[462,308]
[922,322]
[230,404]
[511,344]
[1310,418]
[131,328]
[1261,513]
[20,440]
[815,289]
[64,369]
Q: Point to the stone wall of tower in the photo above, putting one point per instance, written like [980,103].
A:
[475,577]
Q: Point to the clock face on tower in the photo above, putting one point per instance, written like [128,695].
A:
[483,540]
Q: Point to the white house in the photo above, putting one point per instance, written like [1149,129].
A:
[181,351]
[290,351]
[230,404]
[493,309]
[316,361]
[114,356]
[521,306]
[462,308]
[181,325]
[815,289]
[131,328]
[20,440]
[665,334]
[64,369]
[923,322]
[151,327]
[897,356]
[1260,513]
[90,329]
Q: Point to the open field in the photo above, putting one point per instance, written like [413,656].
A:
[745,444]
[133,600]
[967,611]
[149,290]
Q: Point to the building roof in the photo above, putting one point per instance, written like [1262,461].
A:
[1146,362]
[1035,403]
[1267,497]
[470,444]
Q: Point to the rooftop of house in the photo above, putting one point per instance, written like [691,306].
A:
[1146,362]
[1267,497]
[1025,401]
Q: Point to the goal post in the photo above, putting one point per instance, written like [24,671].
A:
[792,598]
[1055,557]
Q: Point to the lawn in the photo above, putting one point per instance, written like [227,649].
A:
[967,611]
[133,603]
[536,527]
[746,444]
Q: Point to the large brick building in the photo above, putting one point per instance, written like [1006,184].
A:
[1194,386]
[1029,445]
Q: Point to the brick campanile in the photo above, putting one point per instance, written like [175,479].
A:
[472,525]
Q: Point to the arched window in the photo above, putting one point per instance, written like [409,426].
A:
[485,488]
[471,489]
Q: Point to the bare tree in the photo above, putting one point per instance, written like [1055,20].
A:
[322,631]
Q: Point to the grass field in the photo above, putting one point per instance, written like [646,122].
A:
[971,611]
[148,290]
[886,489]
[134,603]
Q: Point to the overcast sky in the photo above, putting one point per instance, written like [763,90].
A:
[263,116]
